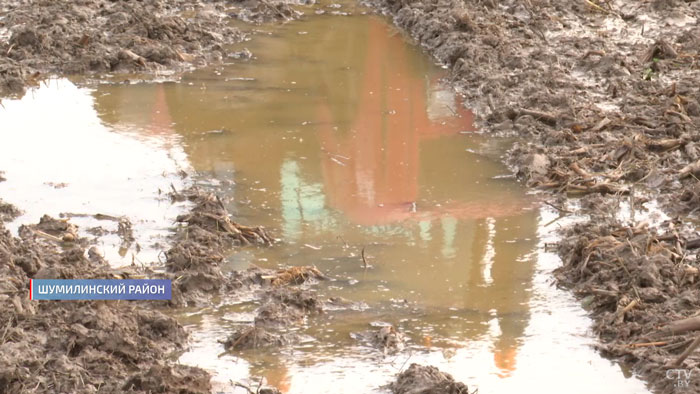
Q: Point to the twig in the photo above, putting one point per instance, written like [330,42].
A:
[541,116]
[686,353]
[47,236]
[629,307]
[557,208]
[683,326]
[648,344]
[345,243]
[237,384]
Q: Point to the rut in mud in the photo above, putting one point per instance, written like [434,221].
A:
[605,98]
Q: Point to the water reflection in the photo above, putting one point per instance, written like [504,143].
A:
[342,138]
[60,160]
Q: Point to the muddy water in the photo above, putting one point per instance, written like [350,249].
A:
[339,137]
[60,159]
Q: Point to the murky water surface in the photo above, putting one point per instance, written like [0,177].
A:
[339,137]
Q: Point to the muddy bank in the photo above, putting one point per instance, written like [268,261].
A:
[97,37]
[605,98]
[82,346]
[641,286]
[107,346]
[600,105]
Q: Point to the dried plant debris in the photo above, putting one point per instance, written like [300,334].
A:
[642,288]
[296,276]
[266,11]
[83,346]
[210,214]
[105,36]
[419,379]
[201,245]
[253,338]
[49,228]
[605,100]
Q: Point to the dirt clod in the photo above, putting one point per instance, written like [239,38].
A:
[384,337]
[8,212]
[253,338]
[419,379]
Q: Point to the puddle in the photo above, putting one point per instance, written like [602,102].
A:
[59,157]
[339,137]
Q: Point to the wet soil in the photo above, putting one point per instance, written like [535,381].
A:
[97,37]
[193,261]
[420,379]
[129,346]
[604,96]
[7,211]
[607,113]
[86,346]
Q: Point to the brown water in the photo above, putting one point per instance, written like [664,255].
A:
[338,136]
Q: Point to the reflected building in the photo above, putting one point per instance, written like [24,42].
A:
[358,140]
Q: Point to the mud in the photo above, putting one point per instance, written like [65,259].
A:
[8,212]
[263,11]
[600,106]
[602,94]
[419,379]
[382,336]
[199,247]
[604,98]
[84,346]
[88,37]
[193,262]
[253,338]
[637,284]
[283,307]
[127,347]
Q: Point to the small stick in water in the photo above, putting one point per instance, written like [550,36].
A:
[364,260]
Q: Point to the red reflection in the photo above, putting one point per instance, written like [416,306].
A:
[278,377]
[505,361]
[371,172]
[161,122]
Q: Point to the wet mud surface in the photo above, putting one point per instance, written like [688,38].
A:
[85,346]
[604,96]
[114,347]
[7,210]
[420,379]
[38,39]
